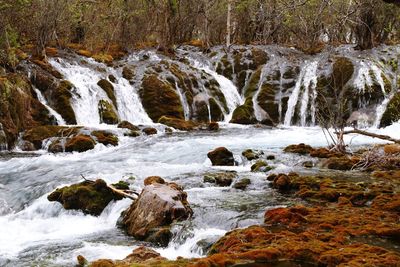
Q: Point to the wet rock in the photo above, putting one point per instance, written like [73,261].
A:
[79,143]
[26,146]
[308,164]
[244,114]
[242,184]
[157,207]
[142,254]
[109,89]
[154,180]
[150,131]
[105,138]
[107,113]
[392,113]
[250,154]
[213,126]
[128,125]
[323,153]
[301,149]
[221,156]
[38,134]
[271,157]
[159,99]
[220,178]
[82,262]
[3,139]
[61,98]
[132,134]
[112,78]
[128,73]
[282,182]
[261,166]
[178,123]
[57,146]
[89,197]
[342,163]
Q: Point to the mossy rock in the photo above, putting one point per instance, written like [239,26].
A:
[150,131]
[38,134]
[103,58]
[159,99]
[133,133]
[253,84]
[244,114]
[301,149]
[178,123]
[250,154]
[128,125]
[107,113]
[242,184]
[392,112]
[80,143]
[266,100]
[122,185]
[109,89]
[215,110]
[62,102]
[105,138]
[201,113]
[89,197]
[128,73]
[261,166]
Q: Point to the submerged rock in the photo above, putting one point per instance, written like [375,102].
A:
[213,126]
[242,184]
[105,138]
[250,154]
[89,197]
[220,178]
[158,205]
[261,166]
[221,156]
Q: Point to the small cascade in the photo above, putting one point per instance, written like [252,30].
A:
[86,92]
[130,107]
[185,105]
[60,120]
[230,91]
[307,78]
[258,111]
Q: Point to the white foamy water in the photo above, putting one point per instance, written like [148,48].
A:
[60,120]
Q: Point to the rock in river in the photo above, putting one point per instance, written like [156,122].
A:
[221,156]
[150,216]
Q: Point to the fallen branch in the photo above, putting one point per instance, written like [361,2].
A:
[379,136]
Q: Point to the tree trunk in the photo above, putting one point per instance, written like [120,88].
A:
[228,24]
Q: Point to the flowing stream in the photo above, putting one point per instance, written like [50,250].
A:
[36,232]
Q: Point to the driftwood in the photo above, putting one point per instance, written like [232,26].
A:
[379,136]
[119,192]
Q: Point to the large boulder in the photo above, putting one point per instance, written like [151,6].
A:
[89,197]
[107,113]
[109,89]
[150,216]
[221,156]
[159,99]
[80,143]
[301,149]
[178,123]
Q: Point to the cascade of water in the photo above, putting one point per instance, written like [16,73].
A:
[130,106]
[232,96]
[307,78]
[185,105]
[86,94]
[3,140]
[363,78]
[60,120]
[259,113]
[309,82]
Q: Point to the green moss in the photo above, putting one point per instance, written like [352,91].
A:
[244,114]
[261,166]
[109,89]
[105,138]
[266,100]
[79,143]
[107,113]
[253,84]
[392,113]
[160,99]
[62,105]
[122,185]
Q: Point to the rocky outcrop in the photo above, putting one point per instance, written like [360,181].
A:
[392,113]
[19,108]
[37,135]
[151,215]
[91,197]
[221,156]
[159,99]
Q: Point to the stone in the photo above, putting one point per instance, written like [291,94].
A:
[91,197]
[242,184]
[154,180]
[250,154]
[128,125]
[308,164]
[261,166]
[213,126]
[157,207]
[150,131]
[105,138]
[221,156]
[79,143]
[220,178]
[178,123]
[301,149]
[339,163]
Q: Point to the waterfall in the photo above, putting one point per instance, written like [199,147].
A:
[60,120]
[186,109]
[307,78]
[230,91]
[3,140]
[258,111]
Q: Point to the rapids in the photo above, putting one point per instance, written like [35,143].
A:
[36,232]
